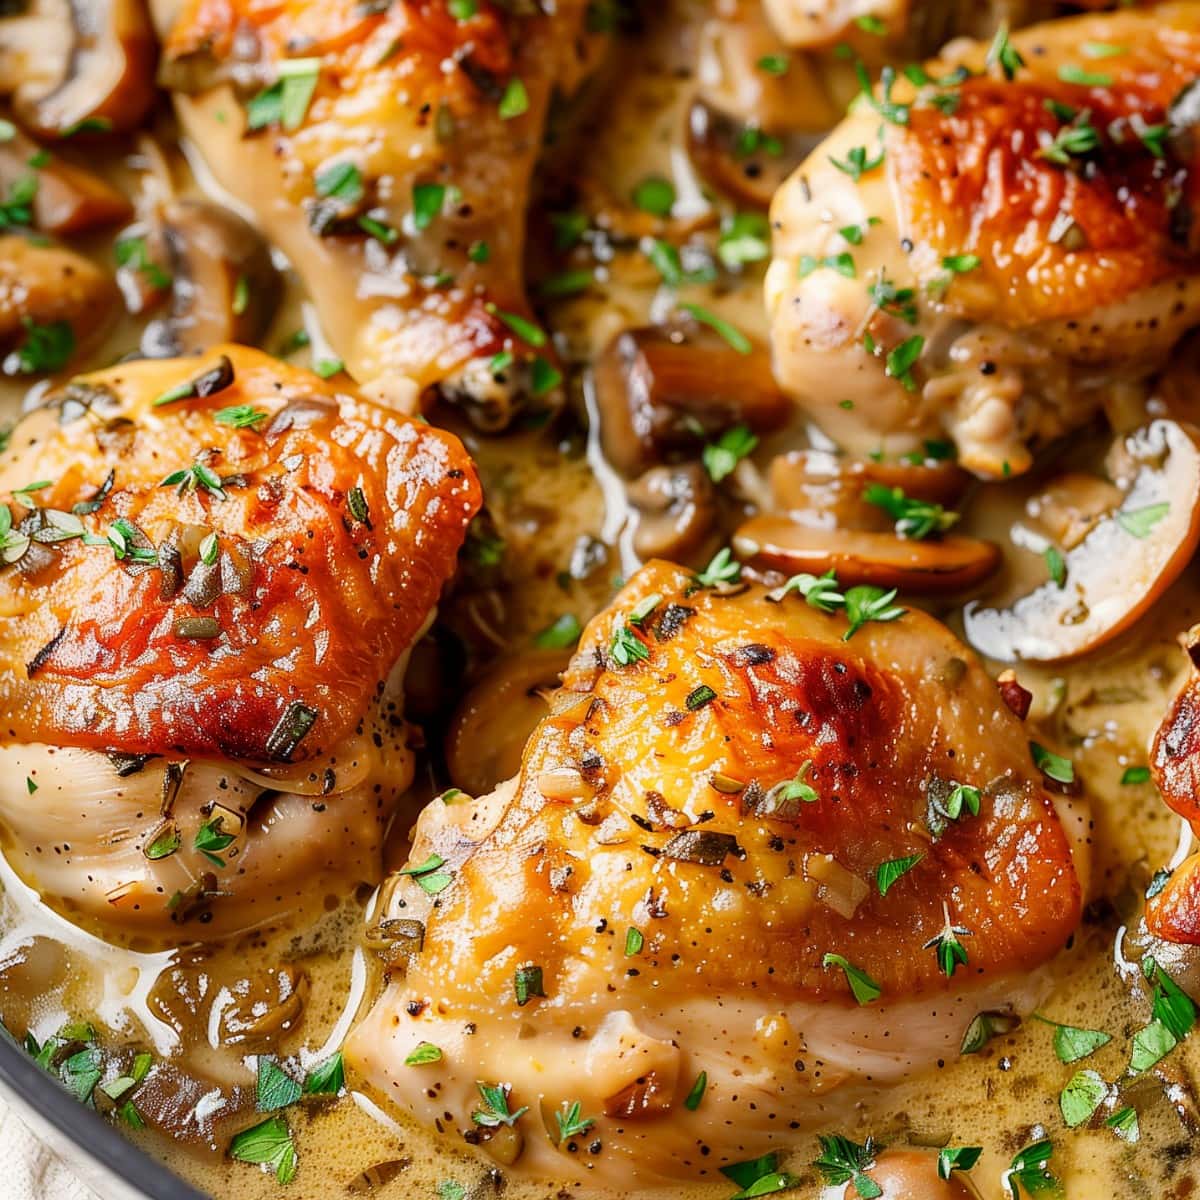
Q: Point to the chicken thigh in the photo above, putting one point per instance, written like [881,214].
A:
[996,245]
[387,150]
[211,569]
[746,861]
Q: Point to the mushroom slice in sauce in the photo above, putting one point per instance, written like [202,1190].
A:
[738,773]
[229,617]
[69,198]
[1124,562]
[79,68]
[53,302]
[662,393]
[224,286]
[945,564]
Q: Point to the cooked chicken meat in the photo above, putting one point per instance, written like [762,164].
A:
[1174,912]
[211,567]
[995,253]
[688,876]
[387,151]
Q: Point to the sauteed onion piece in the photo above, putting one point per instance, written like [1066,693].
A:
[1123,564]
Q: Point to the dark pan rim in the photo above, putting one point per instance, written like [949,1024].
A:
[87,1130]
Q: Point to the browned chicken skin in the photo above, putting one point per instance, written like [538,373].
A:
[209,569]
[399,190]
[694,829]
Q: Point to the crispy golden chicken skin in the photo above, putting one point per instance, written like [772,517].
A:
[695,828]
[211,567]
[1174,913]
[399,189]
[989,257]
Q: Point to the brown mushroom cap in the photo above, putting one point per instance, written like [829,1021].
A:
[947,564]
[73,67]
[488,733]
[910,1174]
[1124,563]
[660,392]
[69,199]
[818,487]
[677,512]
[224,286]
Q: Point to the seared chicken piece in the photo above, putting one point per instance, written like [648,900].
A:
[993,258]
[1174,913]
[695,828]
[399,189]
[211,568]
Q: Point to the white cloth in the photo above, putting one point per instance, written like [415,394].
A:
[31,1169]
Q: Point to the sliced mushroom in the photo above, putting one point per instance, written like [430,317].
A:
[946,564]
[660,392]
[53,293]
[1124,563]
[909,1174]
[75,67]
[69,199]
[489,731]
[741,159]
[677,512]
[224,286]
[817,487]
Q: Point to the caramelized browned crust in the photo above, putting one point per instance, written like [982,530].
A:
[1174,913]
[336,526]
[673,823]
[1058,240]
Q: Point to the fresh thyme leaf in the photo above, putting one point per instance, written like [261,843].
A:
[1072,1043]
[1134,775]
[240,416]
[515,101]
[634,941]
[1056,565]
[46,348]
[914,518]
[1004,54]
[526,330]
[210,840]
[857,162]
[887,873]
[1053,766]
[722,456]
[869,603]
[1124,1123]
[570,1120]
[759,1177]
[723,568]
[698,697]
[527,983]
[655,195]
[1071,73]
[862,986]
[496,1111]
[947,947]
[819,591]
[696,1094]
[842,263]
[900,360]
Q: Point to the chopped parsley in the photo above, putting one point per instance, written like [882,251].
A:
[1003,54]
[525,329]
[1140,521]
[326,1078]
[723,568]
[275,1088]
[268,1143]
[560,634]
[515,101]
[1053,766]
[745,238]
[527,983]
[286,101]
[774,64]
[901,359]
[198,475]
[428,876]
[857,162]
[46,348]
[843,1161]
[759,1177]
[1028,1171]
[422,1054]
[240,416]
[1056,565]
[692,1100]
[427,201]
[957,1158]
[819,591]
[1070,73]
[134,253]
[729,333]
[1083,1094]
[864,989]
[634,941]
[210,840]
[842,263]
[655,195]
[1135,775]
[342,181]
[1072,1043]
